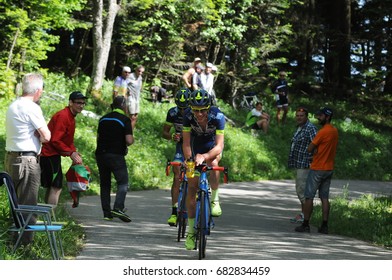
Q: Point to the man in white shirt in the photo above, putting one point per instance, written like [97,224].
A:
[135,85]
[207,80]
[26,129]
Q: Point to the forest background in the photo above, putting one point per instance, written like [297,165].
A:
[336,52]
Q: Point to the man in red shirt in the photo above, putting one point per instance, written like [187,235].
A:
[323,147]
[62,127]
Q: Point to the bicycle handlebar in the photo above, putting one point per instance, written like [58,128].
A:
[172,163]
[202,168]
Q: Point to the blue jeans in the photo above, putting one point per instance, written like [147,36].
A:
[107,164]
[318,180]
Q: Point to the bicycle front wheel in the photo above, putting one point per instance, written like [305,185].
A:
[202,226]
[182,214]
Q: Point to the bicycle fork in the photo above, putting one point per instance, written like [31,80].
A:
[204,193]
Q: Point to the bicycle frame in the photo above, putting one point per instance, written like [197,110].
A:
[203,220]
[182,214]
[204,188]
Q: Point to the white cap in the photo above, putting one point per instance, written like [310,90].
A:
[197,59]
[214,68]
[209,65]
[126,69]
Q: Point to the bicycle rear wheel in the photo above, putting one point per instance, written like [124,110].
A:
[202,227]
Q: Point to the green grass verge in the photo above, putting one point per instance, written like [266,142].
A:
[368,218]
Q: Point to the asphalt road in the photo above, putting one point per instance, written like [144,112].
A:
[254,226]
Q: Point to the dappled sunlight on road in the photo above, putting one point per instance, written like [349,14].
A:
[254,225]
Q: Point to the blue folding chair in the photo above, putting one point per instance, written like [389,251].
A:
[22,215]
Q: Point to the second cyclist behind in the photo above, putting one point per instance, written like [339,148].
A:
[203,141]
[174,119]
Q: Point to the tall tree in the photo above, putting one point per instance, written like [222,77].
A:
[104,15]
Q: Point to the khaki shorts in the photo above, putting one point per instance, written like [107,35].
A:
[133,105]
[300,183]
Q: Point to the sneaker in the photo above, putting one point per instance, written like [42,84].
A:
[172,221]
[216,210]
[323,229]
[107,218]
[121,215]
[190,242]
[302,228]
[298,219]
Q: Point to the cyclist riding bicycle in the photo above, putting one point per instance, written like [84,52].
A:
[174,119]
[203,140]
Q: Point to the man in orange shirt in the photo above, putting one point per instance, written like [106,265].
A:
[323,148]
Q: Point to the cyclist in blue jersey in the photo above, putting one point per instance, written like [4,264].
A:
[174,119]
[203,140]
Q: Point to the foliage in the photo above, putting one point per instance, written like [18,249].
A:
[368,218]
[26,30]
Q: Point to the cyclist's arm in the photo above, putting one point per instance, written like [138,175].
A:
[186,143]
[166,131]
[217,150]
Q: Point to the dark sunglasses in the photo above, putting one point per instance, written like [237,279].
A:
[200,110]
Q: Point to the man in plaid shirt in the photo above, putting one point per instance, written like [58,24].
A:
[299,158]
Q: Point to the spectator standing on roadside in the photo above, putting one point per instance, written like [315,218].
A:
[281,90]
[62,126]
[323,147]
[121,83]
[188,75]
[196,78]
[113,138]
[299,157]
[207,79]
[135,86]
[26,129]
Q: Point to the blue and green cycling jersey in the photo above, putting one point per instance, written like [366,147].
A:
[203,140]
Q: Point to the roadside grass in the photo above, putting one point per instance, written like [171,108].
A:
[367,218]
[363,153]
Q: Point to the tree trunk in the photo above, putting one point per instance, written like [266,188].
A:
[12,49]
[79,55]
[103,22]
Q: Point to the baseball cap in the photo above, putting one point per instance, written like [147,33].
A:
[126,69]
[326,111]
[209,65]
[214,68]
[76,95]
[197,59]
[200,67]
